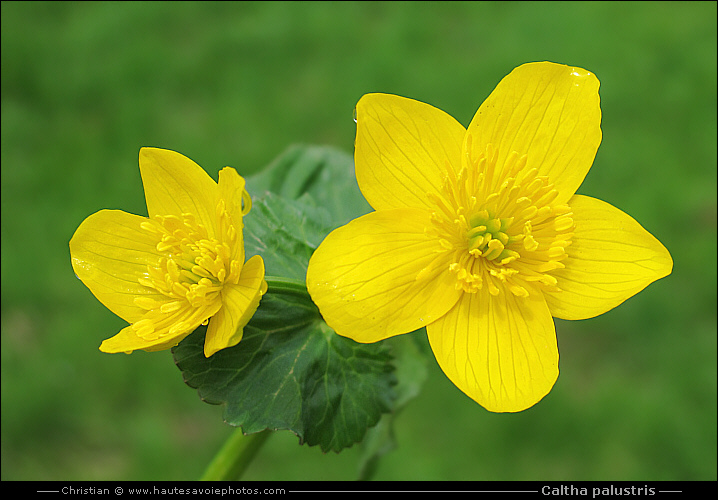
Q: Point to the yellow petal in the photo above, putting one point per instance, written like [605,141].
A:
[548,111]
[237,203]
[612,257]
[381,276]
[402,148]
[127,340]
[499,350]
[239,303]
[174,185]
[109,252]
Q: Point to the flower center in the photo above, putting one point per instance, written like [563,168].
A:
[190,274]
[504,231]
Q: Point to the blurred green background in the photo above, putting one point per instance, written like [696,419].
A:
[85,85]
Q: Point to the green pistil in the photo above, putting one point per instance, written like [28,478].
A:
[488,237]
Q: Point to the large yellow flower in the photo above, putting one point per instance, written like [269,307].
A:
[478,236]
[171,272]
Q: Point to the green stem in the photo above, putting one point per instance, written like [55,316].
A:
[235,456]
[286,285]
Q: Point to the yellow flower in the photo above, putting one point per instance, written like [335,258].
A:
[478,236]
[171,272]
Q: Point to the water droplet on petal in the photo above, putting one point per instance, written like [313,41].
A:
[355,115]
[580,72]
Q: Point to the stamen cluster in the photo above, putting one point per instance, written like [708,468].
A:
[190,274]
[501,225]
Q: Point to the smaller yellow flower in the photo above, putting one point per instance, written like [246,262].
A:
[170,273]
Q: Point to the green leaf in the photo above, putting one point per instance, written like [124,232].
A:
[285,233]
[325,173]
[291,371]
